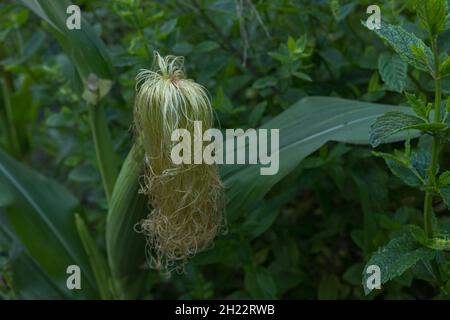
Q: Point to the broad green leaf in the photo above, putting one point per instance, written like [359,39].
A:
[84,47]
[126,247]
[304,128]
[410,48]
[393,71]
[399,255]
[391,123]
[41,216]
[432,15]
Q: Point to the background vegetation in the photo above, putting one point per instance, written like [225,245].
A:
[304,234]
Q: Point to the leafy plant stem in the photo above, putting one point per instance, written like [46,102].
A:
[428,203]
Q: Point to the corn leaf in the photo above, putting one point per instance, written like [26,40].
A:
[304,128]
[28,279]
[40,211]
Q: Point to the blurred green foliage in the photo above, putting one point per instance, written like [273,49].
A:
[312,234]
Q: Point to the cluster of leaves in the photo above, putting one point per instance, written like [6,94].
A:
[304,233]
[418,167]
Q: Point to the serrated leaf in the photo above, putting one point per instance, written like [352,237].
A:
[408,46]
[393,71]
[421,108]
[403,172]
[399,255]
[445,68]
[389,124]
[411,170]
[432,15]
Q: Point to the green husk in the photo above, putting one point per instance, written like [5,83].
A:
[125,247]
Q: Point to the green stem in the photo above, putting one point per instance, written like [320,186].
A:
[104,149]
[10,129]
[428,213]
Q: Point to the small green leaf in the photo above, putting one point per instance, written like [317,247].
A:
[389,124]
[444,179]
[445,194]
[432,15]
[420,107]
[207,46]
[418,233]
[292,45]
[265,82]
[259,283]
[445,68]
[302,76]
[374,83]
[399,255]
[410,48]
[411,169]
[393,71]
[447,106]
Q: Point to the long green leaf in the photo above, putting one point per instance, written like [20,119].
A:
[304,128]
[98,262]
[29,281]
[41,213]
